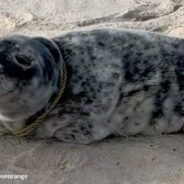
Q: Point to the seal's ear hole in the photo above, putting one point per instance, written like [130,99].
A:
[22,60]
[52,47]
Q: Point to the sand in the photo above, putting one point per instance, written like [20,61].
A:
[133,160]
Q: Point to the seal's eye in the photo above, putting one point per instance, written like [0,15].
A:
[22,60]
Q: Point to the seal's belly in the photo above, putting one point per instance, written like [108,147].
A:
[134,115]
[144,128]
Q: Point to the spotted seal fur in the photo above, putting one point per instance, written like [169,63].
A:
[120,82]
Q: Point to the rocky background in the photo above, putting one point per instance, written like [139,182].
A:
[132,160]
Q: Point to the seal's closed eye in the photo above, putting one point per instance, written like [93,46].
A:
[22,60]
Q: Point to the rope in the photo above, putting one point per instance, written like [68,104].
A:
[28,129]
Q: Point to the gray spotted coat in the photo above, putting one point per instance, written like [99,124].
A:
[120,82]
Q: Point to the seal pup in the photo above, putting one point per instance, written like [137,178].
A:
[119,82]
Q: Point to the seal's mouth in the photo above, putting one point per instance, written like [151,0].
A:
[10,113]
[3,94]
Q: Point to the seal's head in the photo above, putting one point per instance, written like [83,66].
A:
[30,70]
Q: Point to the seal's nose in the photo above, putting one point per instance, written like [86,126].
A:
[1,69]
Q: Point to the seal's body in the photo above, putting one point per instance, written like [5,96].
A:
[120,82]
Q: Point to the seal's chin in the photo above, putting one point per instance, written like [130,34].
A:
[12,125]
[10,116]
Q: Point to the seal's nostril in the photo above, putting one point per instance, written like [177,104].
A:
[1,69]
[23,61]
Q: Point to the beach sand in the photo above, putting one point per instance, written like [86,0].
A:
[130,160]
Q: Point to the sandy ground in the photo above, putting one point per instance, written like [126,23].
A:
[138,160]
